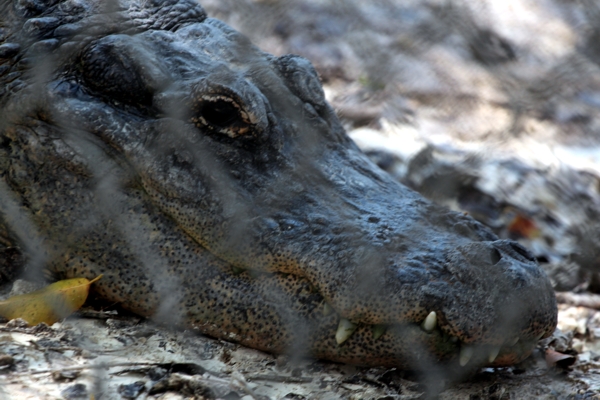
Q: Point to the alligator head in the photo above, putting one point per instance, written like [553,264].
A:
[214,187]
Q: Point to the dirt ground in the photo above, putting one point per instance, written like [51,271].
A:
[489,107]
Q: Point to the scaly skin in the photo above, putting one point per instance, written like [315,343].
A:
[214,188]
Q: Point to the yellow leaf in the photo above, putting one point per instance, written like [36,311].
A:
[50,304]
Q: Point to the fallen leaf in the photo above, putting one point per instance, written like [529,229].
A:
[524,227]
[50,304]
[556,359]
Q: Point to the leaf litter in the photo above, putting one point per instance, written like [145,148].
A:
[50,304]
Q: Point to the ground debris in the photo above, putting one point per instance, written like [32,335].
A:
[589,300]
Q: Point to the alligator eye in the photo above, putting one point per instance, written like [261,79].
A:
[221,114]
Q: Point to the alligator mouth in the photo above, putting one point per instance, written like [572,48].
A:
[316,329]
[430,339]
[429,336]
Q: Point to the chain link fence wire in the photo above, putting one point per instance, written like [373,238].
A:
[528,59]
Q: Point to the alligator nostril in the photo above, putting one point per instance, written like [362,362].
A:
[522,251]
[495,256]
[481,253]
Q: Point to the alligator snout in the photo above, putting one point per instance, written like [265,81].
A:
[493,289]
[214,187]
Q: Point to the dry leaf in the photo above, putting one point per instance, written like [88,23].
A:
[557,359]
[524,227]
[50,304]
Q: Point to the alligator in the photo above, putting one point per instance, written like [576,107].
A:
[214,188]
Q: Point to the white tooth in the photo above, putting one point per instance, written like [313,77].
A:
[466,352]
[494,354]
[378,331]
[539,336]
[327,309]
[513,342]
[430,322]
[344,331]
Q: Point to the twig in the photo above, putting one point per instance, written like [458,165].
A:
[588,300]
[279,378]
[106,366]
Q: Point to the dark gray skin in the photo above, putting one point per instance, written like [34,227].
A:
[213,187]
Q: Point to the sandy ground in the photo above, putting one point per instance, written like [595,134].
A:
[490,107]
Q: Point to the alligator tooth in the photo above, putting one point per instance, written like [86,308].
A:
[378,330]
[513,342]
[430,322]
[344,331]
[494,354]
[327,309]
[466,352]
[539,336]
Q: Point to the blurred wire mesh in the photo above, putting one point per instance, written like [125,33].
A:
[489,71]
